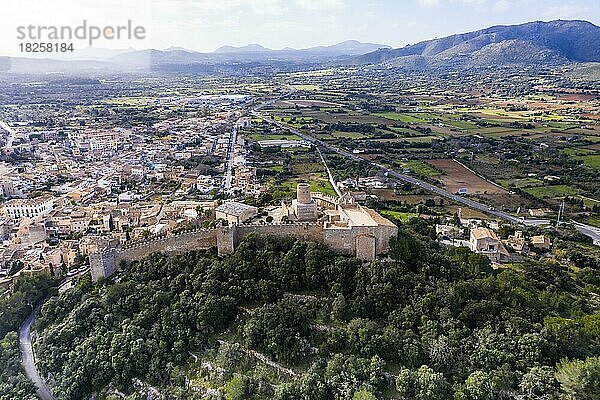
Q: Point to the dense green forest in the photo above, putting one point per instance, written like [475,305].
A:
[15,305]
[289,319]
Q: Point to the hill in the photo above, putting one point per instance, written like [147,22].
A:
[287,319]
[244,49]
[551,42]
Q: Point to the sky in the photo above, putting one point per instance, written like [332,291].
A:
[204,25]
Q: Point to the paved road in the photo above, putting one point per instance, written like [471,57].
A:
[588,230]
[407,178]
[11,135]
[230,158]
[28,360]
[329,174]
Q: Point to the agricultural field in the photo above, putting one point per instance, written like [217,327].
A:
[592,161]
[520,183]
[552,191]
[305,103]
[398,215]
[318,183]
[509,143]
[421,168]
[455,176]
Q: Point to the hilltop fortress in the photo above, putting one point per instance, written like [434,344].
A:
[345,226]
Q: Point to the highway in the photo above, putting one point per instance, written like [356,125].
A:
[28,359]
[412,180]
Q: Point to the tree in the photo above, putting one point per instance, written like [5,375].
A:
[423,384]
[13,384]
[236,388]
[478,386]
[539,383]
[580,378]
[279,330]
[363,394]
[339,308]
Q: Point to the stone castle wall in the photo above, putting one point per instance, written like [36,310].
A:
[305,231]
[363,242]
[107,262]
[176,244]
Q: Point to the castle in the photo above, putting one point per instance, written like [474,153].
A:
[346,227]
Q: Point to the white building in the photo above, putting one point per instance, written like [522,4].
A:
[31,208]
[485,241]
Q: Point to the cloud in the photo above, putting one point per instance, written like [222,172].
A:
[268,7]
[501,6]
[429,3]
[469,2]
[315,5]
[405,24]
[565,11]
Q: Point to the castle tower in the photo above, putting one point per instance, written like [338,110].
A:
[304,207]
[303,193]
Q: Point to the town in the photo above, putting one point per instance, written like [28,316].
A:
[349,221]
[75,184]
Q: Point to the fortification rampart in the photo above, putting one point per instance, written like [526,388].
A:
[106,263]
[306,231]
[324,200]
[365,242]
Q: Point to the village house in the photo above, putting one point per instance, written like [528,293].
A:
[485,241]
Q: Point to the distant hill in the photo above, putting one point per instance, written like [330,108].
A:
[92,53]
[248,53]
[250,48]
[348,47]
[533,42]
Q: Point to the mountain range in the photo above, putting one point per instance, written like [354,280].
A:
[530,43]
[225,53]
[533,43]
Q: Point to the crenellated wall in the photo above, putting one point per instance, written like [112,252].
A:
[176,244]
[107,262]
[364,242]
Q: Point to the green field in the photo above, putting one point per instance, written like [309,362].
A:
[594,221]
[591,161]
[318,183]
[420,168]
[398,215]
[402,117]
[520,183]
[348,135]
[306,167]
[577,152]
[552,191]
[462,124]
[276,168]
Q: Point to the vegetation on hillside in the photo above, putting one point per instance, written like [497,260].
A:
[288,319]
[15,305]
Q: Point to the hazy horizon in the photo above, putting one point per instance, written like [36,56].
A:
[204,25]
